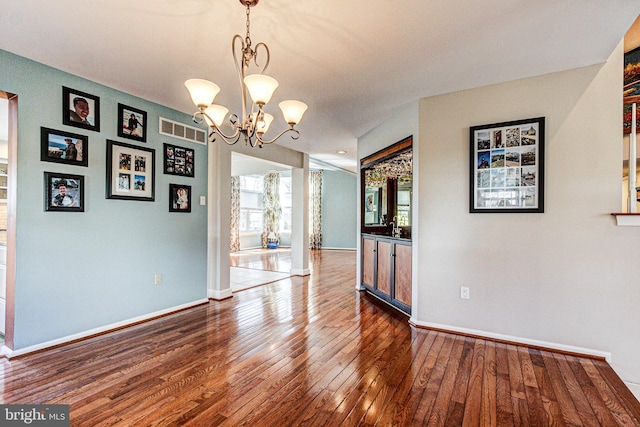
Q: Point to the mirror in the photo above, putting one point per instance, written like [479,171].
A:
[387,179]
[375,202]
[403,202]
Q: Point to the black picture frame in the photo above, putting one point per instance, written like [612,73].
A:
[179,160]
[72,102]
[507,167]
[64,147]
[69,199]
[179,198]
[130,172]
[128,118]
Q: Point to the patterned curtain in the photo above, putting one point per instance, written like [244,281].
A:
[234,238]
[272,210]
[315,210]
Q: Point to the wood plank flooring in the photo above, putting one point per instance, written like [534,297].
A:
[313,351]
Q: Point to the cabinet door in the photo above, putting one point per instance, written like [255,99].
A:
[402,274]
[383,283]
[368,261]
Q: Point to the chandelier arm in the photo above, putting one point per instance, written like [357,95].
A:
[255,58]
[296,135]
[212,138]
[229,139]
[241,64]
[199,117]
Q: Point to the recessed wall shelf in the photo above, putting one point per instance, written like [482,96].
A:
[627,219]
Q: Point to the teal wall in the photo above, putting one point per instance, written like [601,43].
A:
[339,210]
[80,271]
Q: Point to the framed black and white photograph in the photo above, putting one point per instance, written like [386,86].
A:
[130,172]
[64,147]
[80,109]
[507,167]
[132,123]
[179,160]
[63,192]
[179,198]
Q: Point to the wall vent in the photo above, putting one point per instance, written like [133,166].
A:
[182,131]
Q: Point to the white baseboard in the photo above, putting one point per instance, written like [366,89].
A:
[520,340]
[300,272]
[635,389]
[337,249]
[219,295]
[6,351]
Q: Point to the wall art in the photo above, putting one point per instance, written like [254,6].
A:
[80,109]
[63,192]
[507,167]
[63,147]
[179,198]
[631,89]
[130,172]
[132,123]
[179,160]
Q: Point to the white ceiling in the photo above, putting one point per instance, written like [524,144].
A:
[353,62]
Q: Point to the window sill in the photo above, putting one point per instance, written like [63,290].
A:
[627,219]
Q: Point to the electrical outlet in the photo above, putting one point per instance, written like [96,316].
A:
[464,292]
[158,279]
[203,200]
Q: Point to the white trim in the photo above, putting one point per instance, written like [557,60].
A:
[519,340]
[219,295]
[635,389]
[337,249]
[6,351]
[300,272]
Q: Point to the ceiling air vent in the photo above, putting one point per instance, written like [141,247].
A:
[179,130]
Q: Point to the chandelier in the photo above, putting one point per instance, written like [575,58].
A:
[254,122]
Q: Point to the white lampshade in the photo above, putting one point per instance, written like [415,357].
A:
[263,125]
[292,111]
[202,92]
[261,87]
[217,114]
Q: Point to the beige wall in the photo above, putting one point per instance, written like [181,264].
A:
[567,276]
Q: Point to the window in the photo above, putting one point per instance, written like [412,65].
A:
[285,203]
[251,204]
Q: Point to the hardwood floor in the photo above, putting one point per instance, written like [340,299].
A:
[313,351]
[263,259]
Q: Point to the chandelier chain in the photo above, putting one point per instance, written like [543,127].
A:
[248,38]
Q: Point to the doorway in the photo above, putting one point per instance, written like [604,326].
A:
[250,263]
[8,150]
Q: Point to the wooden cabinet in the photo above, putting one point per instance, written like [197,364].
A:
[386,269]
[368,261]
